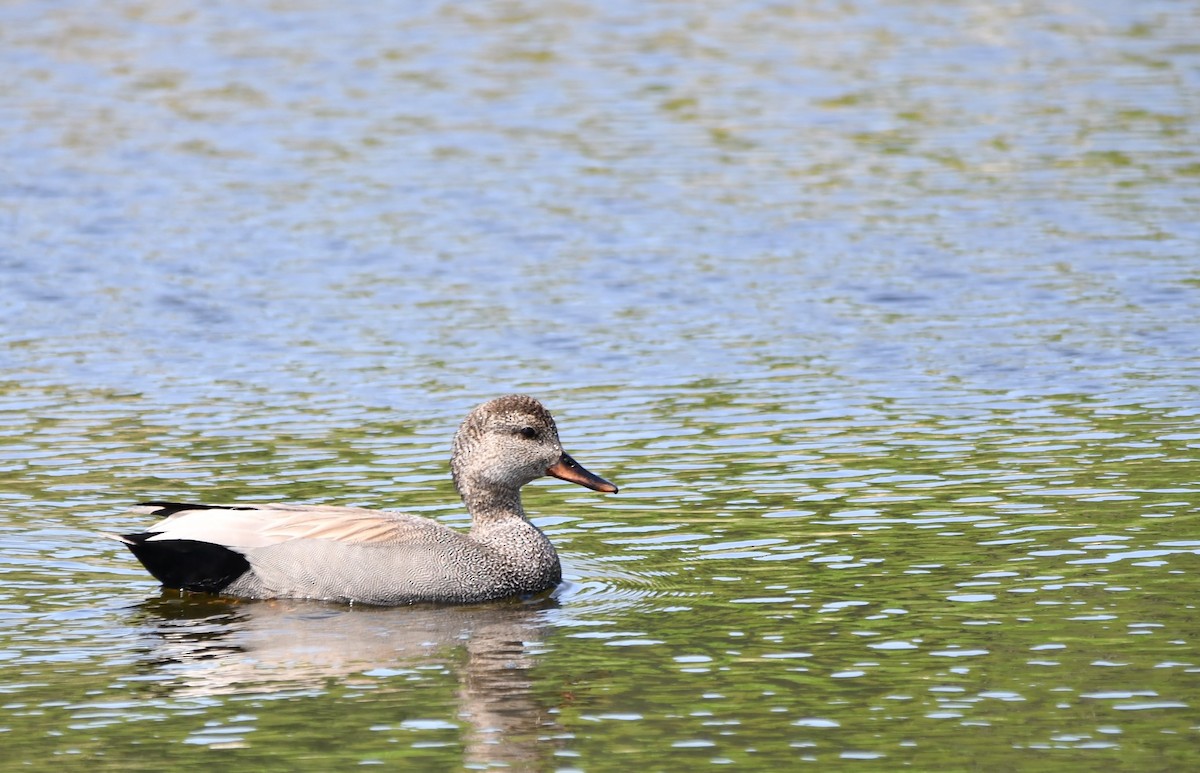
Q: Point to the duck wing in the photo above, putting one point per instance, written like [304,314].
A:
[309,551]
[245,527]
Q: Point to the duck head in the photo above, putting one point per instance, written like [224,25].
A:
[508,442]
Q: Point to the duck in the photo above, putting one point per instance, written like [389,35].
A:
[381,557]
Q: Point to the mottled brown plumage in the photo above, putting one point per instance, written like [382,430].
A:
[379,557]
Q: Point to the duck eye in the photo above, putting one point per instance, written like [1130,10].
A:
[529,433]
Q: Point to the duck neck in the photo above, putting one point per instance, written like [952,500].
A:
[490,507]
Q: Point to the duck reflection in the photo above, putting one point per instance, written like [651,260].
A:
[208,646]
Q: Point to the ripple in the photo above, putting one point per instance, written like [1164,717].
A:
[1150,706]
[816,722]
[893,645]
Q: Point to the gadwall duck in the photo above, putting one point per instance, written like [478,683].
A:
[355,555]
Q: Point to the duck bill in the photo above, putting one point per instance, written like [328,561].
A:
[568,469]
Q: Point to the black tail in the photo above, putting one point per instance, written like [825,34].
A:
[187,564]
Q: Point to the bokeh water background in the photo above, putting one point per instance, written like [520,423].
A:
[884,315]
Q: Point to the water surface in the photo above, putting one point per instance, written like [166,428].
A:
[883,317]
